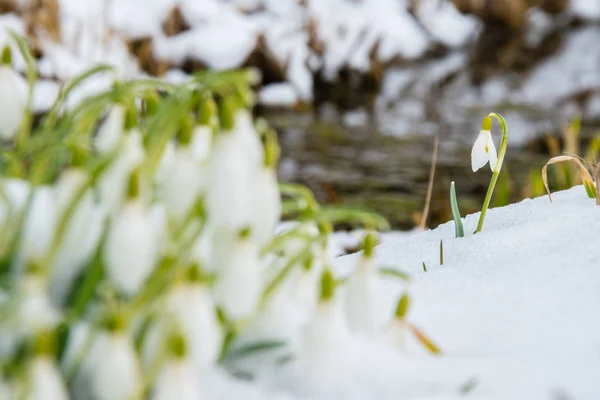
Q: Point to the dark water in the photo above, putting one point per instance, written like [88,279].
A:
[375,151]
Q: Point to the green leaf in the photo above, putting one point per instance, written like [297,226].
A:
[394,273]
[253,348]
[458,226]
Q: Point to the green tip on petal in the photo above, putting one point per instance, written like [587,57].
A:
[327,285]
[207,111]
[177,345]
[486,124]
[245,233]
[402,307]
[369,244]
[133,187]
[184,136]
[6,55]
[44,343]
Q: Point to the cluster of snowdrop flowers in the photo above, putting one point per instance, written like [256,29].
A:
[140,248]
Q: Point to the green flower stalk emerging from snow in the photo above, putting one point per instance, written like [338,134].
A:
[484,151]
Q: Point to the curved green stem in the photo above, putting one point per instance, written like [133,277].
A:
[497,168]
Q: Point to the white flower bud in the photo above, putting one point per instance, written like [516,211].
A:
[40,225]
[267,205]
[130,250]
[45,381]
[362,298]
[114,368]
[195,312]
[13,101]
[239,285]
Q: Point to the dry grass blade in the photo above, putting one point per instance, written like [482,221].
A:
[423,223]
[424,340]
[587,179]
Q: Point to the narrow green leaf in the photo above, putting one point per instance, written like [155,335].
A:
[441,252]
[424,267]
[394,273]
[458,226]
[253,348]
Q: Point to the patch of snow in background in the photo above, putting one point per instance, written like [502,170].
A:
[277,94]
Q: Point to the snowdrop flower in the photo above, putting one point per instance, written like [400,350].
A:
[239,285]
[114,368]
[362,298]
[112,184]
[185,179]
[248,137]
[195,313]
[13,97]
[394,333]
[267,199]
[484,149]
[16,191]
[201,143]
[109,133]
[130,251]
[82,235]
[45,381]
[177,380]
[35,311]
[323,346]
[40,224]
[230,184]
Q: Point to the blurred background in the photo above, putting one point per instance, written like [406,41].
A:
[359,90]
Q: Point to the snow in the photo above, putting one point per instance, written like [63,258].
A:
[277,94]
[586,9]
[522,296]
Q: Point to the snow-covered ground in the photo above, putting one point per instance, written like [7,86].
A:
[515,310]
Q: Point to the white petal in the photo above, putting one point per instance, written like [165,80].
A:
[130,251]
[201,143]
[479,153]
[13,101]
[267,206]
[185,179]
[45,381]
[39,225]
[493,156]
[362,299]
[178,381]
[111,129]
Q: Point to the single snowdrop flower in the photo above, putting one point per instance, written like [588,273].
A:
[394,334]
[130,250]
[11,206]
[113,183]
[324,341]
[239,285]
[484,149]
[267,201]
[195,312]
[40,224]
[83,232]
[109,133]
[178,378]
[114,368]
[231,181]
[201,144]
[185,178]
[35,311]
[13,97]
[45,381]
[363,290]
[166,160]
[248,137]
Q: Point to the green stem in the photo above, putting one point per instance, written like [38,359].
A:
[497,168]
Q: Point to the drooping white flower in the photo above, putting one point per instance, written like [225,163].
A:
[239,285]
[185,180]
[166,159]
[114,368]
[40,225]
[248,137]
[231,180]
[177,380]
[16,192]
[13,101]
[362,298]
[267,205]
[82,235]
[483,151]
[35,312]
[113,182]
[45,381]
[109,133]
[201,143]
[130,250]
[194,309]
[324,343]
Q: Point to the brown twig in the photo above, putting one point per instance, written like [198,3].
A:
[423,223]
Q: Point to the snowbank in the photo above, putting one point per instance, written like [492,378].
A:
[515,307]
